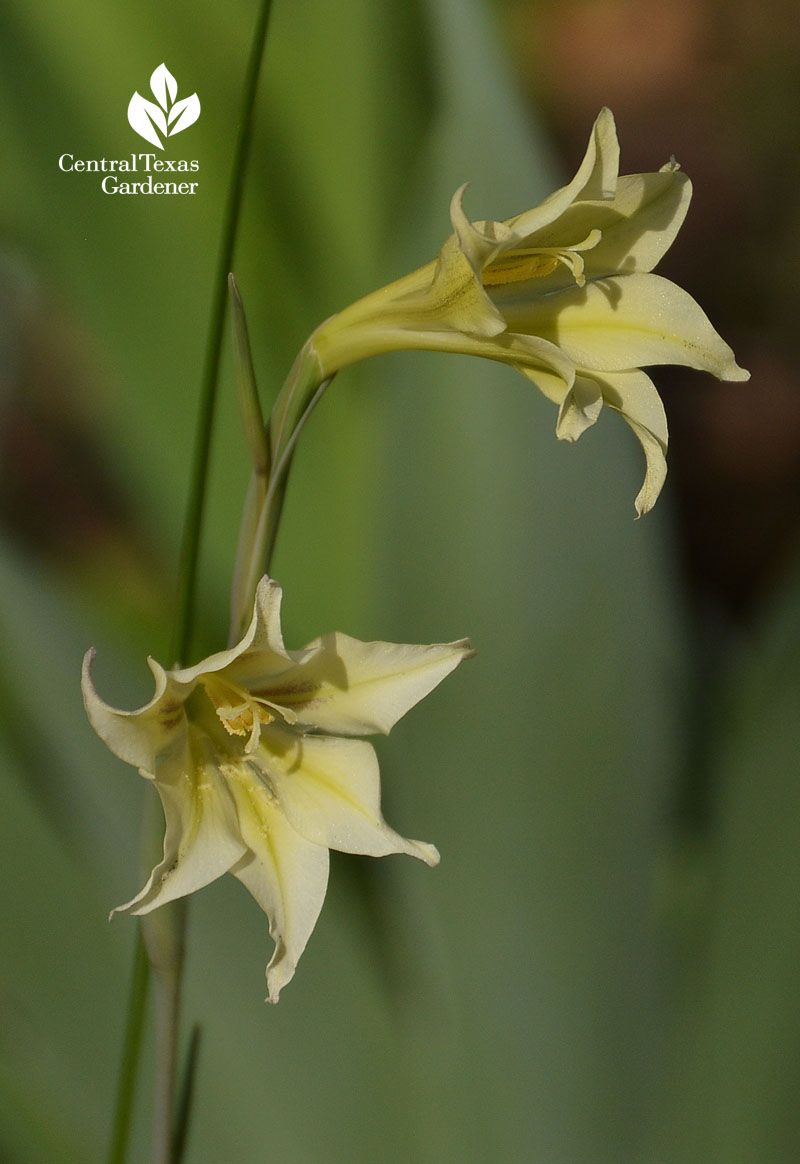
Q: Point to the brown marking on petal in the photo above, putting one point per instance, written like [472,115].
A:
[297,692]
[170,715]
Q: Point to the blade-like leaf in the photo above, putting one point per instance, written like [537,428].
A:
[163,84]
[186,111]
[141,116]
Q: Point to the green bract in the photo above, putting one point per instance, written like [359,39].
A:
[564,293]
[248,752]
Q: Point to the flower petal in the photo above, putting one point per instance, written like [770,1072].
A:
[267,637]
[202,839]
[286,874]
[553,386]
[596,179]
[139,737]
[348,687]
[529,353]
[625,322]
[478,242]
[259,653]
[455,297]
[640,223]
[579,409]
[634,396]
[329,789]
[638,226]
[464,304]
[598,173]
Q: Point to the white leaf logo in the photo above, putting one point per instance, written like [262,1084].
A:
[163,86]
[166,118]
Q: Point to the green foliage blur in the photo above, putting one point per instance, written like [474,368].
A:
[594,974]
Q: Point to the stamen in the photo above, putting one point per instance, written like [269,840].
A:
[534,263]
[240,712]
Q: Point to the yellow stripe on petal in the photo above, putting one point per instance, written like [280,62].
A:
[626,322]
[286,874]
[329,790]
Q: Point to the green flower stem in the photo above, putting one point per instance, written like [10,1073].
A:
[276,491]
[258,444]
[304,378]
[131,1049]
[164,933]
[168,941]
[186,1096]
[297,400]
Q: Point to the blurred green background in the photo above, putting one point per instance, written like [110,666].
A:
[604,968]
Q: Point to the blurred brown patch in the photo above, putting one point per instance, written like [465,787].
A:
[718,86]
[62,499]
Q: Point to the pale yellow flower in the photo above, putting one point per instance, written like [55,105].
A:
[564,293]
[249,753]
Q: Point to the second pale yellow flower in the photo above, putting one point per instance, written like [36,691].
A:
[564,293]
